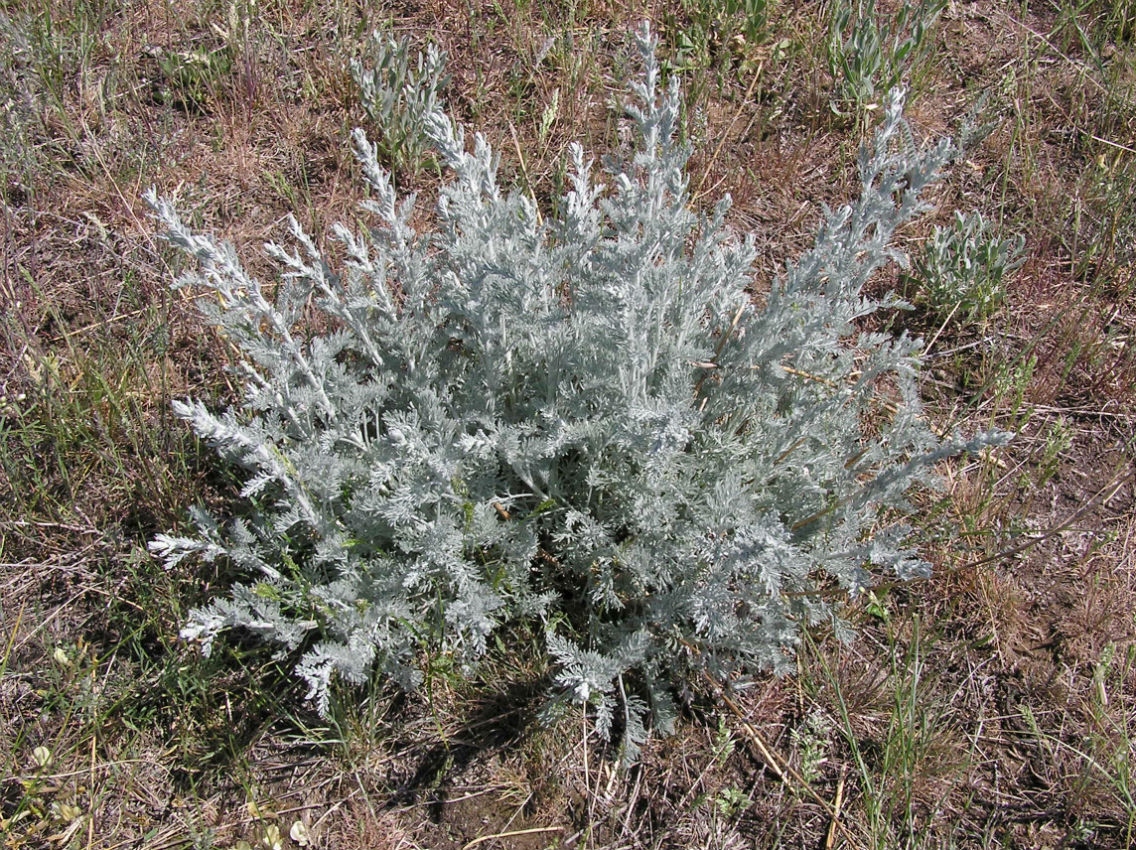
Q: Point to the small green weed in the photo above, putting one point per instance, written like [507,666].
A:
[963,270]
[813,739]
[869,53]
[192,77]
[1058,439]
[715,33]
[731,802]
[399,95]
[724,742]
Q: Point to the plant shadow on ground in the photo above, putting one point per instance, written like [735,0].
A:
[497,723]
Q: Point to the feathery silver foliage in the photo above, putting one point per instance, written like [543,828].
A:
[584,419]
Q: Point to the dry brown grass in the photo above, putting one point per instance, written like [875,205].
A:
[991,707]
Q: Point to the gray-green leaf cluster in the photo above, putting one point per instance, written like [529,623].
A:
[583,419]
[399,96]
[870,53]
[963,269]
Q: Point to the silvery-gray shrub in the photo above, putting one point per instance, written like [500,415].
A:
[584,420]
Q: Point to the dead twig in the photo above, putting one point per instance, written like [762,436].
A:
[830,837]
[512,833]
